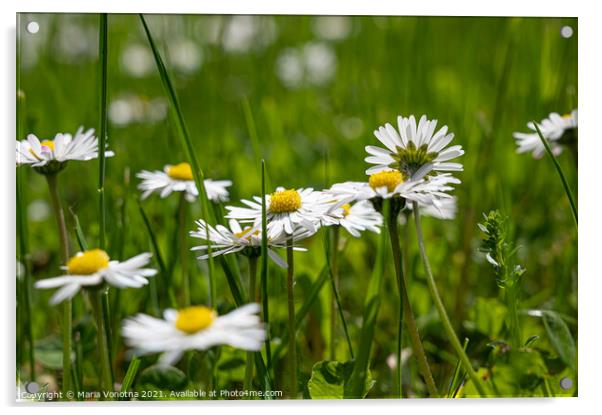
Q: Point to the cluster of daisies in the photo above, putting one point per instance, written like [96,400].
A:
[414,164]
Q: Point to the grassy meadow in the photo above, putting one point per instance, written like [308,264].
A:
[304,93]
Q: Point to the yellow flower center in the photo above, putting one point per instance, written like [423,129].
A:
[181,171]
[193,319]
[88,262]
[285,201]
[47,143]
[245,233]
[346,207]
[567,116]
[391,179]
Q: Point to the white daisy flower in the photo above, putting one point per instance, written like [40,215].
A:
[287,209]
[247,241]
[553,129]
[445,209]
[49,156]
[413,147]
[179,178]
[93,267]
[194,328]
[360,216]
[430,190]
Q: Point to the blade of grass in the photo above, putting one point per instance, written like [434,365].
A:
[102,139]
[199,177]
[264,268]
[130,375]
[355,387]
[565,184]
[456,379]
[79,234]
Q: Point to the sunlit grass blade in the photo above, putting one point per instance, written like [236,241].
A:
[457,378]
[565,184]
[79,233]
[166,283]
[130,375]
[199,177]
[264,268]
[355,387]
[102,131]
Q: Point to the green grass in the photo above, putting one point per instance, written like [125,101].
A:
[483,77]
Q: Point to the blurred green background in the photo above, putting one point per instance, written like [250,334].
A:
[314,88]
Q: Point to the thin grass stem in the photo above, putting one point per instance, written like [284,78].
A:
[441,308]
[565,184]
[183,249]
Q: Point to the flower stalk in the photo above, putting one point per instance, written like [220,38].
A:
[407,313]
[252,298]
[59,215]
[292,347]
[103,344]
[441,308]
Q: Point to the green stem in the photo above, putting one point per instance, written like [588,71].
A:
[407,313]
[67,307]
[264,269]
[292,348]
[335,299]
[335,282]
[514,319]
[103,345]
[441,308]
[183,251]
[102,139]
[252,297]
[565,184]
[26,277]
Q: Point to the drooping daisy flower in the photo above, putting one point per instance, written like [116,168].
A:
[359,217]
[247,241]
[194,328]
[427,191]
[93,267]
[179,178]
[50,156]
[287,209]
[556,129]
[413,147]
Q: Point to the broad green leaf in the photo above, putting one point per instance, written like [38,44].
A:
[560,337]
[328,380]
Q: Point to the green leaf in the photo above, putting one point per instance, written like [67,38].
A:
[163,378]
[130,375]
[328,379]
[560,337]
